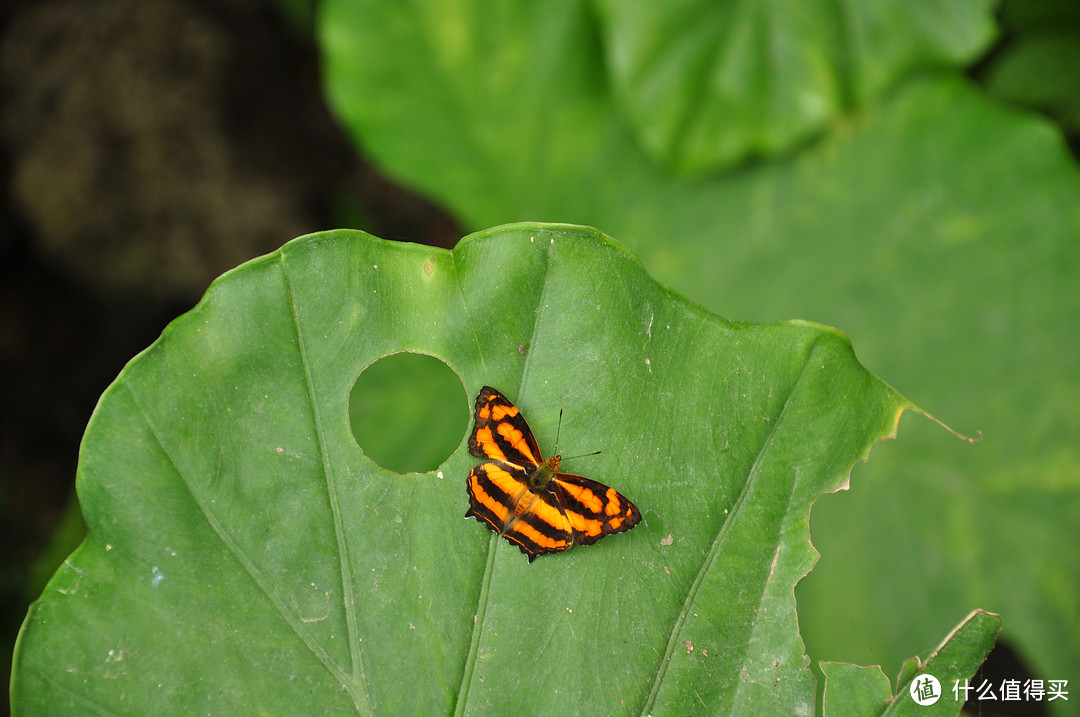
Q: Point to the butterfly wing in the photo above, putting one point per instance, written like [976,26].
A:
[592,508]
[500,431]
[570,510]
[499,496]
[494,490]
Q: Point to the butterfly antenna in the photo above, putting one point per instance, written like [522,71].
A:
[557,432]
[583,455]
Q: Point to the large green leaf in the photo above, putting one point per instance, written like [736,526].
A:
[244,556]
[707,83]
[936,228]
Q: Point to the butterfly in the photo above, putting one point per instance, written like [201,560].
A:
[524,498]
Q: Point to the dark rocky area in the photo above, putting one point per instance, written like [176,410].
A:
[146,146]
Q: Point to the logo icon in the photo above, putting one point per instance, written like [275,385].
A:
[925,690]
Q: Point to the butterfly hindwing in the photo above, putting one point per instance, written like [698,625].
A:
[499,496]
[494,489]
[593,509]
[501,432]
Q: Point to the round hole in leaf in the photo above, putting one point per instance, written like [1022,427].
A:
[408,412]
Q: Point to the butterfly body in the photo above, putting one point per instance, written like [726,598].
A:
[524,498]
[544,473]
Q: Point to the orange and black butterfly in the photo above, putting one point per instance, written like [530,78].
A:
[523,497]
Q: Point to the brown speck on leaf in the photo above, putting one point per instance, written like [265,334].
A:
[689,647]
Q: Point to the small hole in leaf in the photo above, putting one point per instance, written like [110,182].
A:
[408,412]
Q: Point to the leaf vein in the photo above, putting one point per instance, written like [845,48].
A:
[718,541]
[355,685]
[249,566]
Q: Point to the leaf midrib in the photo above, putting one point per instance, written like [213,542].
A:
[493,542]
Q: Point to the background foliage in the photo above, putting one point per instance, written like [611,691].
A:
[862,180]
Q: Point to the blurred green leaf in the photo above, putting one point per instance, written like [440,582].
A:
[1034,16]
[936,227]
[386,417]
[243,556]
[708,83]
[1042,70]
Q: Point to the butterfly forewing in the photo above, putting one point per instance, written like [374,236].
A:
[569,510]
[501,432]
